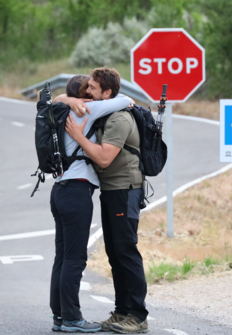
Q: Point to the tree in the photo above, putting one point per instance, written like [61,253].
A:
[218,37]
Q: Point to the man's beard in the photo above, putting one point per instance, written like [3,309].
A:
[88,96]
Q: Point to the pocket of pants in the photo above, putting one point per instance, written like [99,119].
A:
[133,206]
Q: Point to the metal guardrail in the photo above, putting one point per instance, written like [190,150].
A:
[127,88]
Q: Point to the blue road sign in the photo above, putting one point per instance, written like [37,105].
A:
[228,125]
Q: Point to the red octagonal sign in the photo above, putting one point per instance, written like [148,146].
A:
[168,56]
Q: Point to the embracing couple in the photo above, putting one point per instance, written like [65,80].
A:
[117,172]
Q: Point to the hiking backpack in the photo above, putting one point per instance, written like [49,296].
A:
[49,138]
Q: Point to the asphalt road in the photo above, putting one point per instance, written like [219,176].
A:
[24,278]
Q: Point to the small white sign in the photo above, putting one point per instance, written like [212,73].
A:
[226,130]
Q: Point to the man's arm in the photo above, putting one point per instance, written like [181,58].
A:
[77,105]
[103,154]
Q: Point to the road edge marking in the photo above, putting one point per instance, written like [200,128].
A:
[176,331]
[102,299]
[27,235]
[179,116]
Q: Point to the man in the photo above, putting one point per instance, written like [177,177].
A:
[121,192]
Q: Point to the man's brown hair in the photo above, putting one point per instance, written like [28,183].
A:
[107,78]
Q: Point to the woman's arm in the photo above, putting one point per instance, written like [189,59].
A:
[77,105]
[104,107]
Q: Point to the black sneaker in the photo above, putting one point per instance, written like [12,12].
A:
[81,326]
[57,323]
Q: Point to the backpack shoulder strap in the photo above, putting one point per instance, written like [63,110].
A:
[89,135]
[134,151]
[101,122]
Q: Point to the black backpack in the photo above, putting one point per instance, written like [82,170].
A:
[49,138]
[153,150]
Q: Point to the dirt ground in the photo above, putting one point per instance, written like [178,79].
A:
[203,229]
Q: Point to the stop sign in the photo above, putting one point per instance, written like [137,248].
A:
[168,56]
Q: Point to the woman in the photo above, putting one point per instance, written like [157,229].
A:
[72,209]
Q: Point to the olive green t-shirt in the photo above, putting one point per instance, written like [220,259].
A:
[123,172]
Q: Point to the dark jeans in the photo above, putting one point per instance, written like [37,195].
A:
[72,208]
[120,217]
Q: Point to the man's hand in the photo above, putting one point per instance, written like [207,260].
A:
[74,129]
[77,105]
[103,154]
[132,103]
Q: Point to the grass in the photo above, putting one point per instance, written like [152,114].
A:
[171,272]
[202,242]
[168,271]
[24,74]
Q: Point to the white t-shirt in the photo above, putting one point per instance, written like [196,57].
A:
[79,169]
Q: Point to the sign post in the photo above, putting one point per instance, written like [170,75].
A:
[168,56]
[169,174]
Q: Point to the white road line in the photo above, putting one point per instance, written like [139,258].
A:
[93,225]
[102,299]
[17,124]
[186,186]
[150,318]
[21,258]
[192,118]
[85,286]
[178,116]
[175,331]
[27,235]
[93,238]
[22,187]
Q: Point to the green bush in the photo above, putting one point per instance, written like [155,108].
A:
[110,45]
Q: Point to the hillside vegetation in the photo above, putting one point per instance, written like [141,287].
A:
[44,31]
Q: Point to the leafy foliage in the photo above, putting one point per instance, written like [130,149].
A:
[218,36]
[106,46]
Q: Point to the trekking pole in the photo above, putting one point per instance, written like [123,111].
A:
[156,143]
[161,108]
[58,161]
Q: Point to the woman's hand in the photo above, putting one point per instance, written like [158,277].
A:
[74,129]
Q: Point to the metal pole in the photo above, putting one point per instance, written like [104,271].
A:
[169,178]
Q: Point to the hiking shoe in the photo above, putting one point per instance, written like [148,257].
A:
[57,323]
[130,325]
[115,317]
[81,326]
